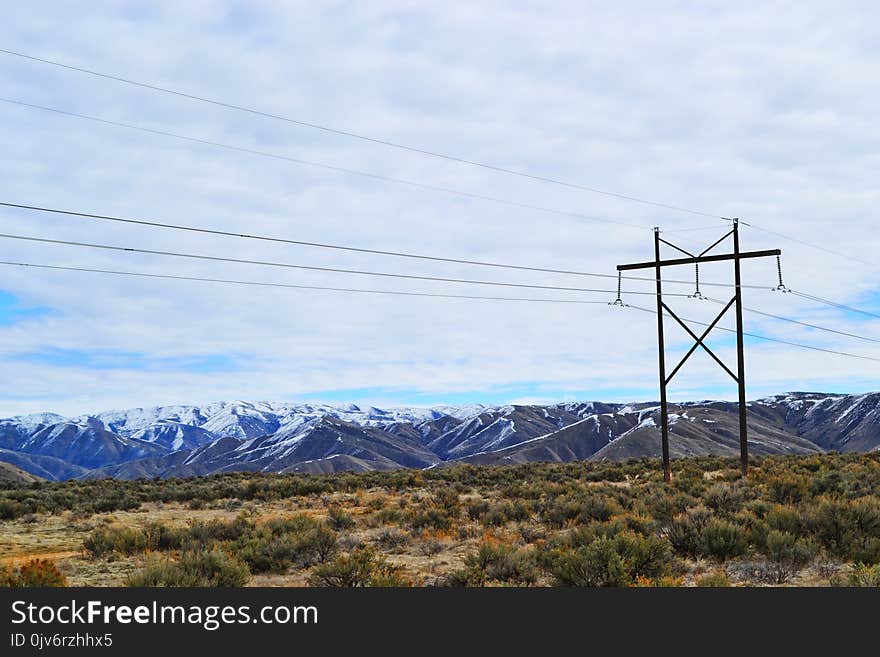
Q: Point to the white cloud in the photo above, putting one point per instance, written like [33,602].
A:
[764,111]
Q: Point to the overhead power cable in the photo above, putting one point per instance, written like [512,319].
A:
[200,279]
[355,135]
[324,245]
[834,304]
[265,263]
[460,160]
[800,323]
[767,338]
[331,167]
[401,293]
[813,245]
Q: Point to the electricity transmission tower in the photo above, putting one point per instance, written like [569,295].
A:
[657,264]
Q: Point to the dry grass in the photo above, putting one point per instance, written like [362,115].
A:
[434,526]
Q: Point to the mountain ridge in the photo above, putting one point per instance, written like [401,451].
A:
[182,440]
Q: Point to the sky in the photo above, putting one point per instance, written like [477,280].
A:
[759,110]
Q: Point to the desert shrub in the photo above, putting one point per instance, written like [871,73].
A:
[787,554]
[664,504]
[378,502]
[567,510]
[266,553]
[597,507]
[723,540]
[868,553]
[644,556]
[724,499]
[859,575]
[864,519]
[849,529]
[124,540]
[275,547]
[360,568]
[828,523]
[664,582]
[429,547]
[431,517]
[296,524]
[322,542]
[205,533]
[464,578]
[685,533]
[476,509]
[716,579]
[597,564]
[560,512]
[504,563]
[532,533]
[447,499]
[163,537]
[213,568]
[785,519]
[617,560]
[390,516]
[10,510]
[787,489]
[494,516]
[639,524]
[339,519]
[33,573]
[392,538]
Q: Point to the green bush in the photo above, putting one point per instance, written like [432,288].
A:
[724,499]
[465,578]
[133,540]
[597,564]
[201,534]
[339,519]
[723,540]
[124,540]
[475,510]
[785,519]
[787,555]
[430,518]
[360,568]
[504,563]
[280,545]
[686,531]
[10,510]
[644,556]
[214,568]
[787,489]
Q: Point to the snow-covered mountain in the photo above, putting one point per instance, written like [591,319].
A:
[285,437]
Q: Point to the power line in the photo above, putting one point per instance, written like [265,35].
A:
[293,286]
[324,245]
[354,135]
[767,338]
[398,146]
[840,254]
[287,265]
[796,321]
[834,304]
[329,167]
[201,279]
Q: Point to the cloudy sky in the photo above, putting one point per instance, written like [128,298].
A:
[765,111]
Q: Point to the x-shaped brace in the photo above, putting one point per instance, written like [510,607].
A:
[699,341]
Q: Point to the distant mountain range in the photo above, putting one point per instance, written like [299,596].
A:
[181,441]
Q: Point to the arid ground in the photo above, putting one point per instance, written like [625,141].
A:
[797,521]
